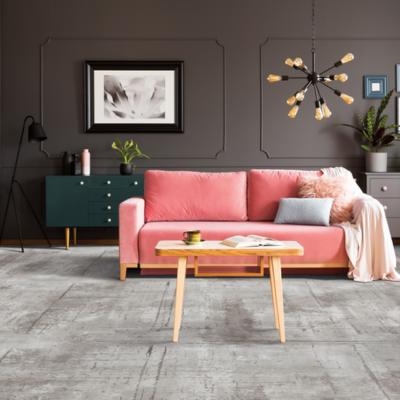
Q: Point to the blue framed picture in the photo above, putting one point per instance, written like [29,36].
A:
[397,77]
[375,86]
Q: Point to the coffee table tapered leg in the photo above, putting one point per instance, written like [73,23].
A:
[180,288]
[273,292]
[276,266]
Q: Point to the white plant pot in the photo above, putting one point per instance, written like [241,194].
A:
[376,161]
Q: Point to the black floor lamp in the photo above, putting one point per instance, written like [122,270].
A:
[37,134]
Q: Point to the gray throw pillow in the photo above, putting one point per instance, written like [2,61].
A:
[304,211]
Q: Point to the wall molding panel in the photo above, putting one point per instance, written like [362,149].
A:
[53,40]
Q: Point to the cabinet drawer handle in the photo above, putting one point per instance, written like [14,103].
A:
[385,207]
[81,183]
[108,207]
[108,182]
[135,183]
[108,194]
[108,219]
[384,188]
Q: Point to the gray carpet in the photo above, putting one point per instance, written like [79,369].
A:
[70,330]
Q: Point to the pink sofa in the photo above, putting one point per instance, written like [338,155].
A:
[220,204]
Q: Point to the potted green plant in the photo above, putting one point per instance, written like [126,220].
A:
[376,135]
[128,151]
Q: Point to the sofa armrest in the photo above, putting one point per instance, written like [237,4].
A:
[131,220]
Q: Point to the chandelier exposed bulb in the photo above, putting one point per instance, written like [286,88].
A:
[298,62]
[300,95]
[291,100]
[347,58]
[318,111]
[345,97]
[339,77]
[325,109]
[293,111]
[272,78]
[289,62]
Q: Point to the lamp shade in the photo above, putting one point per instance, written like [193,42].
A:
[36,132]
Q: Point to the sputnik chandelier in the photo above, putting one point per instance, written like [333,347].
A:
[314,80]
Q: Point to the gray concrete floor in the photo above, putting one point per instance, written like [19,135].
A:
[70,330]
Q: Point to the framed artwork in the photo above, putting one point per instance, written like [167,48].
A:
[398,113]
[375,86]
[134,96]
[397,77]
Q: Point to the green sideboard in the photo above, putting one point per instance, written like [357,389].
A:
[88,201]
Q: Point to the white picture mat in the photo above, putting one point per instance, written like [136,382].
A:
[375,87]
[98,95]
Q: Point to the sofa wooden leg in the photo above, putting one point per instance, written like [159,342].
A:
[122,272]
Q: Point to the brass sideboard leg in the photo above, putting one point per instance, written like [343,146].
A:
[66,238]
[74,235]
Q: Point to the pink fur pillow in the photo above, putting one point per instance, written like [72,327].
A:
[342,189]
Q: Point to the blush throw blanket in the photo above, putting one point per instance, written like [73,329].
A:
[369,244]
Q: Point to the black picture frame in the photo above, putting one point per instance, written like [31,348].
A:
[397,77]
[91,126]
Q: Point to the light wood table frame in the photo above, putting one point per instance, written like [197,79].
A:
[215,248]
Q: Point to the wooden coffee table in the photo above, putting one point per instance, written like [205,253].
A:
[178,249]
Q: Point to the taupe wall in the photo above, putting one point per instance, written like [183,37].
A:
[233,119]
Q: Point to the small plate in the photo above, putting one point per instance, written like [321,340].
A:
[193,243]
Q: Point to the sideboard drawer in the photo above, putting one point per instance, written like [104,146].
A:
[391,206]
[394,226]
[103,219]
[103,207]
[135,181]
[384,187]
[115,195]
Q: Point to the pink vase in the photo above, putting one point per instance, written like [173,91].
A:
[85,162]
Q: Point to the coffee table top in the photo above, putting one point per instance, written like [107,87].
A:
[215,247]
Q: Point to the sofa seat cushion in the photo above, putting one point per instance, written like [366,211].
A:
[188,196]
[322,244]
[267,186]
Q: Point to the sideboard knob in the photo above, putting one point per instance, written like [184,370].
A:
[108,182]
[384,188]
[108,219]
[81,183]
[385,207]
[108,207]
[108,194]
[135,183]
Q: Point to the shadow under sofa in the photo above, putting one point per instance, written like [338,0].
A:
[220,204]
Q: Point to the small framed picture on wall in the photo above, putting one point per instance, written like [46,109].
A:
[375,86]
[397,77]
[398,113]
[134,96]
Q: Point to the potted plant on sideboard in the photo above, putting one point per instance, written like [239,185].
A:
[128,151]
[376,135]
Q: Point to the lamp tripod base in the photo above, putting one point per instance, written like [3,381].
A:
[11,198]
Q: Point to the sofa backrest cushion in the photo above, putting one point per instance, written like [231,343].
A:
[267,186]
[191,196]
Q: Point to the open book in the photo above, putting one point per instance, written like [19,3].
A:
[250,241]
